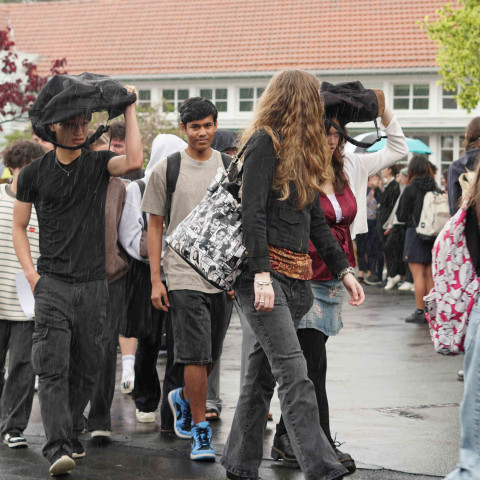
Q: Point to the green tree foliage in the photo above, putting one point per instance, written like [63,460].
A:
[456,32]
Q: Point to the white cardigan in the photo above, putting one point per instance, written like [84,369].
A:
[359,166]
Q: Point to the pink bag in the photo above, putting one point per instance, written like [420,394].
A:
[456,285]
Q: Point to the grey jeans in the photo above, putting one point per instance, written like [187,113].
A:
[17,396]
[277,357]
[67,354]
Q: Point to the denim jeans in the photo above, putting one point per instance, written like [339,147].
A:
[17,396]
[277,357]
[67,354]
[469,462]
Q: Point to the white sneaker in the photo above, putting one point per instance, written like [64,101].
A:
[128,381]
[406,287]
[100,433]
[145,417]
[391,282]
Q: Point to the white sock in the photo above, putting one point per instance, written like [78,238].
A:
[128,362]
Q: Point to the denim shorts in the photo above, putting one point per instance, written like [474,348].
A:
[326,312]
[199,323]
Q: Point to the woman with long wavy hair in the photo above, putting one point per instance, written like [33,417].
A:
[339,205]
[285,165]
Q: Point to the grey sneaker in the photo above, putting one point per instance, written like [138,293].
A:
[416,317]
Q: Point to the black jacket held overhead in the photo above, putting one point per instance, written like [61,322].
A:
[269,221]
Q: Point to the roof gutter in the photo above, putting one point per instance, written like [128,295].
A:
[268,74]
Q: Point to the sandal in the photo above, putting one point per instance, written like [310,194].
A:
[212,414]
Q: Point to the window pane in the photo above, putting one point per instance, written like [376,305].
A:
[169,94]
[424,139]
[144,95]
[449,104]
[447,141]
[246,93]
[221,106]
[183,94]
[401,90]
[246,106]
[221,93]
[260,90]
[449,93]
[420,90]
[207,93]
[400,104]
[447,156]
[420,103]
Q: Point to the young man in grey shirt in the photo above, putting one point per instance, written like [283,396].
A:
[200,312]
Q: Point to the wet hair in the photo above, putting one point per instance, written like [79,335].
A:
[117,130]
[474,192]
[419,166]
[472,134]
[21,153]
[291,112]
[395,168]
[340,181]
[196,108]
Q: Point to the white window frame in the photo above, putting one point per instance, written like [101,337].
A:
[214,98]
[411,97]
[176,101]
[257,92]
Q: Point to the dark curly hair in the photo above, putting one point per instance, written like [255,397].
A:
[20,153]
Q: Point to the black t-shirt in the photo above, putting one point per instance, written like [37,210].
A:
[70,205]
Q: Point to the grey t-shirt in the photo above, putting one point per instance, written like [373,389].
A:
[193,181]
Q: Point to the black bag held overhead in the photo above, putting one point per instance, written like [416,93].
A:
[352,102]
[67,96]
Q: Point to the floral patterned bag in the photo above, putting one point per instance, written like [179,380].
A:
[456,285]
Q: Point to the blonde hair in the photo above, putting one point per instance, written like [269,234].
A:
[291,105]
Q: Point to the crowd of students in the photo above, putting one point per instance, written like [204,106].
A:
[92,248]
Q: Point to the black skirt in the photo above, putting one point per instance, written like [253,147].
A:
[416,250]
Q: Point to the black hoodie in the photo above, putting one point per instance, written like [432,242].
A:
[411,202]
[458,167]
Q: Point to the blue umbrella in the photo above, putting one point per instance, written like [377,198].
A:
[414,146]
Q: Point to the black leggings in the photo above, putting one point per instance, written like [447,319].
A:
[313,342]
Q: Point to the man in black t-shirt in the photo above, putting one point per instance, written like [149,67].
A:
[68,189]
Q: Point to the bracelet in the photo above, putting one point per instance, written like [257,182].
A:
[345,271]
[264,282]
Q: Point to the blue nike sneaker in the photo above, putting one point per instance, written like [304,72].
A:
[181,413]
[202,449]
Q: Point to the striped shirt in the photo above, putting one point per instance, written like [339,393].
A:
[10,308]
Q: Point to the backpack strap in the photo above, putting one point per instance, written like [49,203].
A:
[141,185]
[173,170]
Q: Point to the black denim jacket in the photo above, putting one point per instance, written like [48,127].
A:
[268,221]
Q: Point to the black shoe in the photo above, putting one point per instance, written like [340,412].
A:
[14,439]
[373,280]
[61,463]
[416,317]
[345,459]
[232,476]
[77,449]
[282,450]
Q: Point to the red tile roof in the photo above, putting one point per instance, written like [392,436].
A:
[175,37]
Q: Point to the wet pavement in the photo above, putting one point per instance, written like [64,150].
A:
[393,402]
